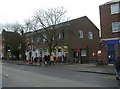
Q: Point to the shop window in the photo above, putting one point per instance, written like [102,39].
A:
[83,53]
[75,54]
[111,47]
[59,50]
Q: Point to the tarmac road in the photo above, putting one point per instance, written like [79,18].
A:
[52,76]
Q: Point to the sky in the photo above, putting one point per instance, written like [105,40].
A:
[12,11]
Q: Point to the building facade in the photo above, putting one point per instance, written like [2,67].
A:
[0,45]
[110,30]
[79,40]
[13,45]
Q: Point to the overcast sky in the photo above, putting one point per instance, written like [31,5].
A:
[18,10]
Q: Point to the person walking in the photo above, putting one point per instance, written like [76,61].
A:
[63,58]
[40,60]
[45,60]
[66,58]
[51,60]
[117,67]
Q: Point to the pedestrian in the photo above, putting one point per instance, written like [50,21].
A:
[117,67]
[35,59]
[25,57]
[66,58]
[40,60]
[51,60]
[63,58]
[48,59]
[54,58]
[45,60]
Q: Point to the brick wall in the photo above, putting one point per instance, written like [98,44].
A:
[106,19]
[0,43]
[71,36]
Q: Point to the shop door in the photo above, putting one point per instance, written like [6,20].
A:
[111,53]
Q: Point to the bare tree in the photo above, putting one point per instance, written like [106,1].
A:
[28,25]
[50,20]
[1,28]
[15,27]
[31,25]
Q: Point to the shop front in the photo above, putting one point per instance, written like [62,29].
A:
[80,55]
[58,52]
[112,50]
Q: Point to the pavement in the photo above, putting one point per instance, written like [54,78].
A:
[93,68]
[90,67]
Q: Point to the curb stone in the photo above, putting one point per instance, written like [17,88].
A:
[97,72]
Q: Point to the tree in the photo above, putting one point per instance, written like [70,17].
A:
[31,25]
[1,28]
[50,23]
[15,27]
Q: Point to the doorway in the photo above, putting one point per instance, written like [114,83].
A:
[111,53]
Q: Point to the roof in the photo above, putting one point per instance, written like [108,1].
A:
[81,19]
[68,23]
[112,1]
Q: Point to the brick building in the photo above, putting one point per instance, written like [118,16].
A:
[13,45]
[110,30]
[0,45]
[80,38]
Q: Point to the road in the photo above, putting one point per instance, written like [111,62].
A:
[52,76]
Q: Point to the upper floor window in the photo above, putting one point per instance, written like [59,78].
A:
[44,38]
[115,8]
[80,33]
[90,35]
[32,39]
[53,38]
[61,35]
[38,39]
[116,27]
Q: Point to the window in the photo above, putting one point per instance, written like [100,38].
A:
[90,35]
[32,39]
[116,27]
[53,38]
[81,34]
[44,39]
[61,36]
[111,47]
[115,8]
[38,39]
[83,53]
